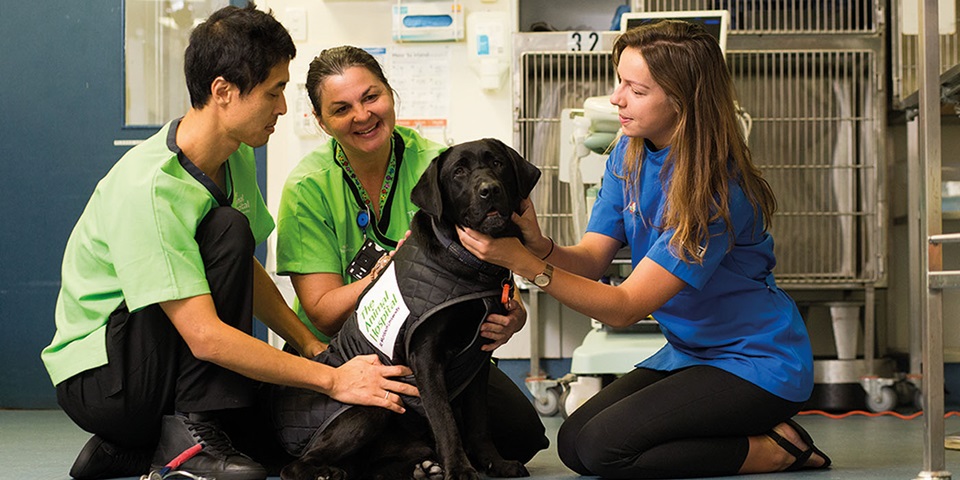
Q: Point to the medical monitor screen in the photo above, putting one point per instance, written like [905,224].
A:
[715,22]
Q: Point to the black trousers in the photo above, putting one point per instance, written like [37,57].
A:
[689,423]
[151,371]
[515,426]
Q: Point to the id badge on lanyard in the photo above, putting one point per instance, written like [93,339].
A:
[365,259]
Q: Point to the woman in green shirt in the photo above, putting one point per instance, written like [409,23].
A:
[356,188]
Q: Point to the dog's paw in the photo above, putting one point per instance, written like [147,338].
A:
[507,469]
[331,473]
[428,470]
[463,473]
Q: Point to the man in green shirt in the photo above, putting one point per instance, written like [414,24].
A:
[153,352]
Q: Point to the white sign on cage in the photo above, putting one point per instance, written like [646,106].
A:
[910,17]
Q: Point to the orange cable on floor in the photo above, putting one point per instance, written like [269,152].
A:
[889,413]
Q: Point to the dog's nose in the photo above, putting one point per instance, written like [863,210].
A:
[488,189]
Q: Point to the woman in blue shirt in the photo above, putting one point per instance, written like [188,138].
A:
[681,190]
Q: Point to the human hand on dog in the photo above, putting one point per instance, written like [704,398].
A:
[313,349]
[406,235]
[384,260]
[500,328]
[365,381]
[380,265]
[505,251]
[532,235]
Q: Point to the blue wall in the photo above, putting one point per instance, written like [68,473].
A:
[60,78]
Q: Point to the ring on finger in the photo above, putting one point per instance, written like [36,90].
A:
[385,395]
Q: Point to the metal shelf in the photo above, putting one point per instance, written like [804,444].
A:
[925,231]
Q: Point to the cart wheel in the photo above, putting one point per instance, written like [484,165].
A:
[563,403]
[887,400]
[577,393]
[908,394]
[548,404]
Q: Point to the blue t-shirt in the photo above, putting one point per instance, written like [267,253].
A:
[731,315]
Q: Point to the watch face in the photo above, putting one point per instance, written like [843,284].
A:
[543,279]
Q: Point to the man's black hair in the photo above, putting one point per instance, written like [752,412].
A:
[240,44]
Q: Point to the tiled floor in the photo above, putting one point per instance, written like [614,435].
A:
[41,444]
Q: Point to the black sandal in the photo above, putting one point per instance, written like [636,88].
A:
[801,455]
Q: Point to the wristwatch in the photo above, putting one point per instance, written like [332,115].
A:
[543,278]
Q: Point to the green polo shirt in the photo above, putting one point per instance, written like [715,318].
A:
[317,230]
[134,243]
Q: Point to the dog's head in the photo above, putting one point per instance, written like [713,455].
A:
[478,185]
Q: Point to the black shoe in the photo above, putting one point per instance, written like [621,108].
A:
[102,459]
[800,456]
[218,459]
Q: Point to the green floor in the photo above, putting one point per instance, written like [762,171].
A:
[41,444]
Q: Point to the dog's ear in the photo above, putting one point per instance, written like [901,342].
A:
[527,173]
[426,193]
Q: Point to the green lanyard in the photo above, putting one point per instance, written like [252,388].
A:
[341,159]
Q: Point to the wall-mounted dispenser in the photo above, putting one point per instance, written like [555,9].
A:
[427,21]
[488,43]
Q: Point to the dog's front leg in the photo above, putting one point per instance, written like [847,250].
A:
[427,364]
[476,431]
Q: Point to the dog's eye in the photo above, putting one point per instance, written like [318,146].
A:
[497,164]
[459,171]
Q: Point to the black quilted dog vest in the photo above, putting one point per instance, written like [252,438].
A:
[426,288]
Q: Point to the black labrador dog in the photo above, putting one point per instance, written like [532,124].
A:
[424,311]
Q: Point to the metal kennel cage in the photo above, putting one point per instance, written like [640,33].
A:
[816,137]
[783,17]
[904,40]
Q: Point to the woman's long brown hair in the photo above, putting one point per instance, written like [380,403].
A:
[707,150]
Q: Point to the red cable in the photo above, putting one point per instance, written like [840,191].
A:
[871,414]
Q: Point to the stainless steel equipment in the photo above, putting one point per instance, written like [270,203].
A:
[926,76]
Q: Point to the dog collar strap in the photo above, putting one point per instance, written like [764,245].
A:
[464,255]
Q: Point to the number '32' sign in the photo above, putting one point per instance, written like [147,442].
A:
[583,41]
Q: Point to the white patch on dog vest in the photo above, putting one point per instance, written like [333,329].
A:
[381,313]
